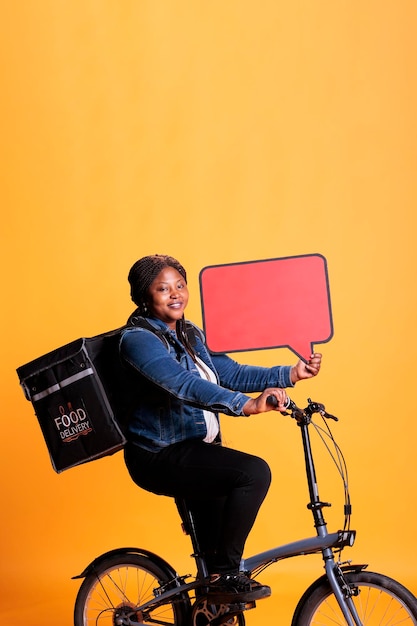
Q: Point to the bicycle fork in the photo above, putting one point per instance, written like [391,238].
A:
[342,591]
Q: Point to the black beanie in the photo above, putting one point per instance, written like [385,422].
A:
[143,273]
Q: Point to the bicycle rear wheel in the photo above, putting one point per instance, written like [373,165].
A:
[381,601]
[110,594]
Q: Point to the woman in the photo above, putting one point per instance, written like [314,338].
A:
[180,388]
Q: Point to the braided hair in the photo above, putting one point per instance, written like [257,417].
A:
[142,274]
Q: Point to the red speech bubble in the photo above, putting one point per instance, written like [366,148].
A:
[273,303]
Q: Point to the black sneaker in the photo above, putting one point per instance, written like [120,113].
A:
[229,588]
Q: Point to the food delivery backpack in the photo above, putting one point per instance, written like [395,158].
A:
[81,396]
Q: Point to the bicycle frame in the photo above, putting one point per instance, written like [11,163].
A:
[324,542]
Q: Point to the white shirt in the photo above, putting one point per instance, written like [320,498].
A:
[212,423]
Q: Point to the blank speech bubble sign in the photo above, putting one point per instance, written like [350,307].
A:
[272,303]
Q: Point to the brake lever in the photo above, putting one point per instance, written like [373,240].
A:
[329,416]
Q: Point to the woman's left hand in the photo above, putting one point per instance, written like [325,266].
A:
[303,370]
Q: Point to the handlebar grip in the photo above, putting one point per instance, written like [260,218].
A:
[274,402]
[271,400]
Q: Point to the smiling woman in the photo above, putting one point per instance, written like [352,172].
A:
[159,288]
[168,297]
[174,441]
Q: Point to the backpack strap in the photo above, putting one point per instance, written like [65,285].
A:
[136,320]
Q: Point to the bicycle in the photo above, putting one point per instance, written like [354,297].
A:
[131,586]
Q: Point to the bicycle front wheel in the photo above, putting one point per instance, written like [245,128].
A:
[110,595]
[380,601]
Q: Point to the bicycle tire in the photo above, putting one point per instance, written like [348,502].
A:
[381,601]
[121,582]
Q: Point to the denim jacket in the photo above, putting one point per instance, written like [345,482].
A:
[169,393]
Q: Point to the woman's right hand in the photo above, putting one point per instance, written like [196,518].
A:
[260,404]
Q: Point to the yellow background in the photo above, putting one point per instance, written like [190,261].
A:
[217,132]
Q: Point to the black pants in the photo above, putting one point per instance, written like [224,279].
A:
[224,489]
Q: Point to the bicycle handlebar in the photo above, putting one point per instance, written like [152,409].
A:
[298,414]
